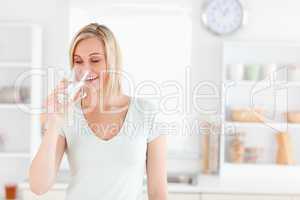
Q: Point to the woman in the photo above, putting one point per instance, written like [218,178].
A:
[106,163]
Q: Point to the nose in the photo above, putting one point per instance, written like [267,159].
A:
[87,67]
[81,71]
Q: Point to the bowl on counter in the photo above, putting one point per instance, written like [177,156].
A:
[246,114]
[293,116]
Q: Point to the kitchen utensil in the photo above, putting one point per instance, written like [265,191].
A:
[205,150]
[293,72]
[284,149]
[252,72]
[11,191]
[235,72]
[237,148]
[73,87]
[269,71]
[210,147]
[252,154]
[293,116]
[247,114]
[10,94]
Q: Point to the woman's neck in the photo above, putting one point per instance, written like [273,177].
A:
[95,102]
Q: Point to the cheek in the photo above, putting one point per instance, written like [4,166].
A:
[103,74]
[75,72]
[106,77]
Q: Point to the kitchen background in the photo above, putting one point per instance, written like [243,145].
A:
[185,51]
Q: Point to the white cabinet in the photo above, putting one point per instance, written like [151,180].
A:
[253,73]
[181,196]
[243,197]
[178,196]
[20,58]
[57,194]
[60,195]
[51,195]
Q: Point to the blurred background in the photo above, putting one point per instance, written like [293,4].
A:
[228,72]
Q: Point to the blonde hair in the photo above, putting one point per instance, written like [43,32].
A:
[112,53]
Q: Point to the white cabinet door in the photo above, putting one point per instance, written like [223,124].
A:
[181,196]
[296,198]
[243,197]
[50,195]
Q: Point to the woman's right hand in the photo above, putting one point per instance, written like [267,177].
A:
[55,111]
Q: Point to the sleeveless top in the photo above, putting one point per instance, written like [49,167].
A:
[109,169]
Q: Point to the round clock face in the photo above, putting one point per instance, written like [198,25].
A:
[223,16]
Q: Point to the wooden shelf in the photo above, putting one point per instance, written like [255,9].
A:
[275,125]
[265,165]
[245,83]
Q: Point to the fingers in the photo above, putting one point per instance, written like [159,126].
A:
[52,104]
[62,85]
[80,95]
[59,100]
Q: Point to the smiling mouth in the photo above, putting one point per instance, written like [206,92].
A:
[91,78]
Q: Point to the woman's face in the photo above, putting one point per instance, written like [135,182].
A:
[89,55]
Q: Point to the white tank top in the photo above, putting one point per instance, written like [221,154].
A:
[109,169]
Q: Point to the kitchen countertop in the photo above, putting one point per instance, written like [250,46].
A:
[213,184]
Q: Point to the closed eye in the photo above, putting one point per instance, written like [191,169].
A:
[78,62]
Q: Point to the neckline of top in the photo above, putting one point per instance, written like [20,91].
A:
[91,132]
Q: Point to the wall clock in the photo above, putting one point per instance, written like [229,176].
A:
[223,17]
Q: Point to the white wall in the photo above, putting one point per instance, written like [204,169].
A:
[52,16]
[267,20]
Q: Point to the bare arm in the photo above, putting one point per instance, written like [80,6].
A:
[156,169]
[45,165]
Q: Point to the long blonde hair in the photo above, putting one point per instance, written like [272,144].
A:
[112,53]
